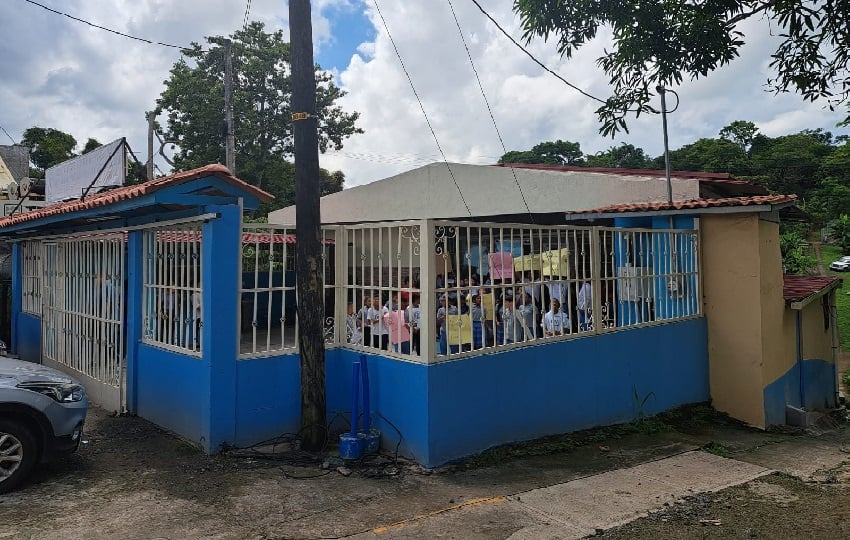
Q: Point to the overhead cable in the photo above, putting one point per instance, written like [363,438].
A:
[151,42]
[489,109]
[421,106]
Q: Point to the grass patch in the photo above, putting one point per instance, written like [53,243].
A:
[717,449]
[846,379]
[842,299]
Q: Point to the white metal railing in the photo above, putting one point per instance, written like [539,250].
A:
[428,291]
[172,303]
[268,319]
[31,271]
[83,315]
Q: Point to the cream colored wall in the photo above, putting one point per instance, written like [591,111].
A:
[733,293]
[817,342]
[778,323]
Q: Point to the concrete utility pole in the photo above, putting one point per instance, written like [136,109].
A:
[308,249]
[149,167]
[230,152]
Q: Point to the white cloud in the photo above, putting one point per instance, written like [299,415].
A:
[60,73]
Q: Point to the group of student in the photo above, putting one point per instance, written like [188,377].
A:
[510,314]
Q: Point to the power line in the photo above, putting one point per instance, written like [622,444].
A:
[148,41]
[536,61]
[489,109]
[421,106]
[7,134]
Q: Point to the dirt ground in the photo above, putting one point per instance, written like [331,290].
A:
[132,480]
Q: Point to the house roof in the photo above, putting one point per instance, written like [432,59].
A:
[755,203]
[712,185]
[124,193]
[470,192]
[800,290]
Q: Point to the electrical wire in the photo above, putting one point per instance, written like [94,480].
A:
[7,134]
[422,107]
[489,109]
[148,41]
[536,61]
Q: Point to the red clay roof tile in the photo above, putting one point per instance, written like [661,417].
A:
[795,288]
[694,204]
[124,193]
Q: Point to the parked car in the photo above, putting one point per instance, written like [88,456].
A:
[841,265]
[42,412]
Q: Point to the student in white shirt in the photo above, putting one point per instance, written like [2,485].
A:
[584,306]
[555,321]
[380,332]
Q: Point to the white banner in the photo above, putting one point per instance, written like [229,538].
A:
[69,179]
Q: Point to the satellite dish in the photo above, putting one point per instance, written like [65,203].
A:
[12,190]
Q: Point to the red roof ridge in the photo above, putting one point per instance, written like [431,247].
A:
[123,193]
[752,200]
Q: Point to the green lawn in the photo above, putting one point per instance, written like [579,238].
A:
[842,295]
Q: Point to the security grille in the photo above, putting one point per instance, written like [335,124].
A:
[172,309]
[31,270]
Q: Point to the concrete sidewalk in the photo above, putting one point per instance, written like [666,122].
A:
[580,507]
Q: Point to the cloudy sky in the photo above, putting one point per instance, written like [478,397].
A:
[60,73]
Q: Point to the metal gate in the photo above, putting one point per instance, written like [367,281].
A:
[83,313]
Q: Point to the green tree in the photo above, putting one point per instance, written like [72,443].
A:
[91,144]
[741,133]
[193,101]
[791,162]
[625,156]
[660,43]
[48,147]
[710,155]
[550,152]
[795,257]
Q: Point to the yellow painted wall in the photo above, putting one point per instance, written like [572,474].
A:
[817,341]
[778,322]
[733,293]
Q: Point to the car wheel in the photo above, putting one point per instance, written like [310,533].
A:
[17,454]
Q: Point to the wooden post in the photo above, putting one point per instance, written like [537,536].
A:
[308,249]
[149,164]
[230,148]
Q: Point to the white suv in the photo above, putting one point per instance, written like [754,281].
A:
[42,412]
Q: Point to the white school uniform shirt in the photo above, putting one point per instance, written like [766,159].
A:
[509,322]
[585,298]
[556,323]
[378,328]
[414,315]
[558,290]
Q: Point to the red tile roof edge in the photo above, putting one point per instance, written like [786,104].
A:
[625,172]
[796,287]
[693,204]
[124,193]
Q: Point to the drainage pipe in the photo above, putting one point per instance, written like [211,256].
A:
[800,357]
[355,397]
[367,410]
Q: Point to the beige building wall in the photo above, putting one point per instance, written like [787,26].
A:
[817,340]
[778,322]
[733,292]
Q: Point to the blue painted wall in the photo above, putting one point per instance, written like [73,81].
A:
[399,392]
[268,398]
[818,390]
[28,339]
[173,391]
[450,410]
[17,294]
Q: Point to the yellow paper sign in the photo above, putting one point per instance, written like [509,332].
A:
[459,329]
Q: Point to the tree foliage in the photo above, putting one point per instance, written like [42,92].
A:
[661,43]
[550,152]
[48,147]
[193,101]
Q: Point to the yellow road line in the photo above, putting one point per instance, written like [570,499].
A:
[467,504]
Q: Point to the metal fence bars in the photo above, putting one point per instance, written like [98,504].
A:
[268,320]
[381,292]
[172,295]
[31,277]
[83,304]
